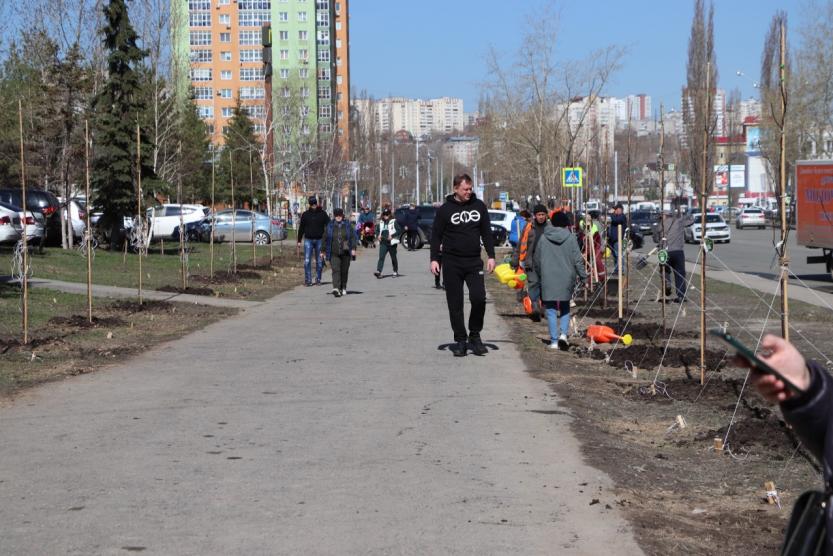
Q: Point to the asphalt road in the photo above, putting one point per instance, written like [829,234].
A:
[307,425]
[751,252]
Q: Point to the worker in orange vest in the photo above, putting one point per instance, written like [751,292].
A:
[530,237]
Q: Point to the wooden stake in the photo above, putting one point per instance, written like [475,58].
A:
[771,493]
[139,204]
[25,270]
[252,210]
[233,215]
[89,228]
[704,173]
[619,270]
[213,220]
[663,244]
[785,261]
[183,272]
[718,444]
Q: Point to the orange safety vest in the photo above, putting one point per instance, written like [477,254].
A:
[523,243]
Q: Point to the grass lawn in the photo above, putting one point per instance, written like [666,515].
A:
[162,269]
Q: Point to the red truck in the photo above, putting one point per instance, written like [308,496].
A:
[814,208]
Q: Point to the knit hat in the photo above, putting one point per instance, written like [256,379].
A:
[560,220]
[386,212]
[312,200]
[338,212]
[539,208]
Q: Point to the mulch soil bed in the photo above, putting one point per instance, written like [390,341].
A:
[680,494]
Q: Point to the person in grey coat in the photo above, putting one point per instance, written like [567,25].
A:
[673,240]
[558,262]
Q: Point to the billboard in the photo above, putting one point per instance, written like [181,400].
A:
[753,140]
[737,176]
[721,178]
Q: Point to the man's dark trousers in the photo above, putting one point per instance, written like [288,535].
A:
[468,270]
[676,262]
[341,265]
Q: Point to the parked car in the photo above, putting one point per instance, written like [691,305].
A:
[499,234]
[507,219]
[426,222]
[164,219]
[751,216]
[716,229]
[40,201]
[265,230]
[643,221]
[78,217]
[10,226]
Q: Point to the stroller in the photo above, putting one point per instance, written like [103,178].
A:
[367,234]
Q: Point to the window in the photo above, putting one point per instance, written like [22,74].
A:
[303,54]
[302,16]
[225,93]
[244,5]
[338,80]
[256,111]
[249,38]
[210,129]
[284,73]
[325,111]
[205,111]
[223,2]
[325,128]
[305,129]
[225,19]
[284,54]
[225,37]
[196,5]
[283,16]
[285,92]
[250,93]
[324,74]
[322,4]
[323,19]
[251,55]
[338,7]
[251,74]
[323,55]
[203,93]
[303,73]
[302,35]
[324,92]
[283,35]
[200,38]
[200,55]
[200,74]
[304,111]
[338,26]
[254,19]
[305,92]
[226,130]
[228,112]
[225,75]
[225,56]
[338,43]
[199,19]
[259,128]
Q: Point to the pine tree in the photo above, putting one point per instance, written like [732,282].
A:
[192,142]
[117,110]
[243,148]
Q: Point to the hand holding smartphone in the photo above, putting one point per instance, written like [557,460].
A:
[759,365]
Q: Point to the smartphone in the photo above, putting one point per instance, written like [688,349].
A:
[753,360]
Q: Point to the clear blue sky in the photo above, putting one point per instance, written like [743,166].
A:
[433,48]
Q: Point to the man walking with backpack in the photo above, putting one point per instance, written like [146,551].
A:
[461,223]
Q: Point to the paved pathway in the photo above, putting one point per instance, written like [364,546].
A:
[306,425]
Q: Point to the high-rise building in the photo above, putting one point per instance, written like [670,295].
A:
[417,117]
[219,51]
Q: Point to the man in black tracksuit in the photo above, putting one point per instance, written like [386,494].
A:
[459,226]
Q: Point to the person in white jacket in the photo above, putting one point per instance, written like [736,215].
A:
[389,233]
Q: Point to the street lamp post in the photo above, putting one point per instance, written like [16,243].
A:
[428,192]
[417,170]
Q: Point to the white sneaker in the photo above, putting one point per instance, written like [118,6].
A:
[335,291]
[395,274]
[344,292]
[563,344]
[554,345]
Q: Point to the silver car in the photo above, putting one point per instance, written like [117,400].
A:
[248,226]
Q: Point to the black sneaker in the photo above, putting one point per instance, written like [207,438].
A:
[458,349]
[477,346]
[377,274]
[535,316]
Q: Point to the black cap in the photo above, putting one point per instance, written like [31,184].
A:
[560,220]
[386,212]
[312,200]
[539,208]
[338,212]
[619,206]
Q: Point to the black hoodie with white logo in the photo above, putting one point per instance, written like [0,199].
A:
[459,227]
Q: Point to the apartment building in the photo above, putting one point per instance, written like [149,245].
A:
[416,116]
[219,56]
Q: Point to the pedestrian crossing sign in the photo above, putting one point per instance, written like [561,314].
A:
[572,177]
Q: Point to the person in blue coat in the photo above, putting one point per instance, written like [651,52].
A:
[339,248]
